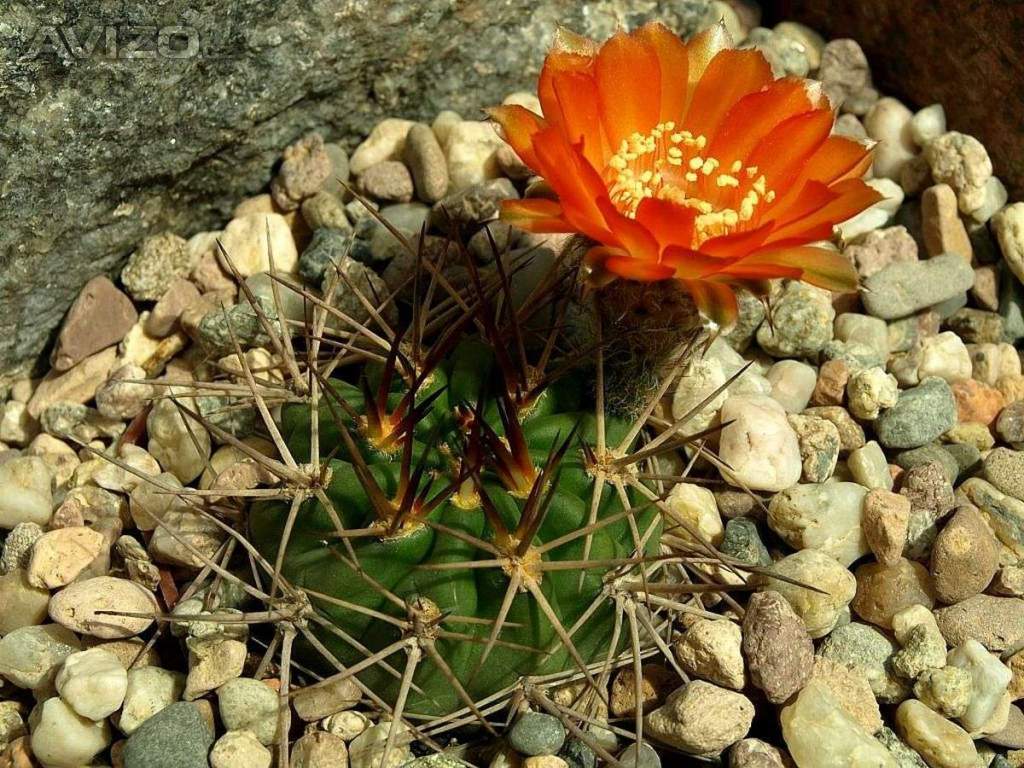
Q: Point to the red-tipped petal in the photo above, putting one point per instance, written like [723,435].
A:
[850,197]
[731,75]
[668,223]
[673,61]
[520,126]
[535,215]
[627,72]
[782,154]
[716,301]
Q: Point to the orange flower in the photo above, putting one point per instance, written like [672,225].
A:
[687,161]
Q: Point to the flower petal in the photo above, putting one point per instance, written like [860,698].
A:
[569,53]
[716,301]
[702,48]
[782,154]
[535,215]
[730,75]
[818,266]
[673,63]
[668,223]
[520,126]
[629,234]
[627,72]
[581,115]
[607,263]
[737,244]
[849,198]
[690,264]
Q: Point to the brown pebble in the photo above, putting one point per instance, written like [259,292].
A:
[830,389]
[305,168]
[977,401]
[164,316]
[778,650]
[100,316]
[388,181]
[851,434]
[995,622]
[985,290]
[656,682]
[964,558]
[942,227]
[885,590]
[884,522]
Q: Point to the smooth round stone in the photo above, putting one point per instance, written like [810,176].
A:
[865,649]
[239,749]
[904,288]
[792,384]
[293,305]
[24,605]
[825,517]
[31,655]
[939,741]
[696,511]
[759,444]
[884,590]
[639,756]
[820,610]
[25,492]
[869,466]
[319,749]
[63,739]
[93,683]
[802,322]
[989,678]
[1004,468]
[175,737]
[251,705]
[79,605]
[149,690]
[701,719]
[537,733]
[965,556]
[920,416]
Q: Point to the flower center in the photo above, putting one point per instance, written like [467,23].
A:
[667,164]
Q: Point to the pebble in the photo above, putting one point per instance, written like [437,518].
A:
[245,241]
[17,425]
[213,660]
[387,181]
[367,749]
[995,622]
[903,288]
[820,443]
[119,397]
[844,70]
[385,142]
[24,604]
[357,277]
[701,718]
[754,753]
[317,702]
[871,390]
[251,705]
[961,162]
[977,402]
[639,756]
[93,683]
[941,743]
[942,228]
[776,646]
[537,733]
[30,656]
[179,442]
[149,690]
[239,749]
[427,163]
[947,690]
[865,649]
[877,215]
[819,610]
[743,542]
[989,680]
[475,203]
[59,556]
[76,385]
[888,122]
[25,492]
[324,210]
[884,519]
[758,444]
[880,248]
[792,384]
[175,737]
[1008,227]
[710,650]
[824,517]
[319,749]
[928,123]
[884,590]
[63,739]
[923,646]
[994,362]
[164,316]
[471,148]
[995,199]
[802,318]
[99,317]
[851,690]
[694,509]
[78,607]
[819,733]
[306,166]
[326,247]
[1004,468]
[944,355]
[921,414]
[869,467]
[151,268]
[964,558]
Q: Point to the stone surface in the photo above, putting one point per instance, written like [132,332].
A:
[537,733]
[759,445]
[906,287]
[920,415]
[91,607]
[942,743]
[701,718]
[884,590]
[825,517]
[317,702]
[149,690]
[776,646]
[30,656]
[995,622]
[710,650]
[863,648]
[884,519]
[989,678]
[851,690]
[175,737]
[964,558]
[63,739]
[319,749]
[59,556]
[93,683]
[100,316]
[239,749]
[250,705]
[835,585]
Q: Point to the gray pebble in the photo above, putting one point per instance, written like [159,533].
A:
[388,181]
[928,454]
[220,329]
[474,204]
[1004,468]
[743,542]
[906,287]
[920,415]
[537,733]
[645,757]
[326,247]
[175,737]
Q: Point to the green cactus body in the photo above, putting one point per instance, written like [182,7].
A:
[404,564]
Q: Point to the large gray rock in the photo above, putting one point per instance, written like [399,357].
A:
[104,148]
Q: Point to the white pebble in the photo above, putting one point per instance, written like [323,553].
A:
[91,607]
[792,384]
[695,512]
[149,690]
[25,492]
[63,739]
[888,122]
[245,240]
[944,355]
[927,124]
[93,683]
[990,677]
[759,444]
[59,556]
[29,656]
[180,443]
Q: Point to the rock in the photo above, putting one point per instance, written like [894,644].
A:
[63,739]
[802,322]
[305,168]
[868,466]
[940,742]
[25,492]
[100,317]
[694,509]
[426,162]
[928,123]
[888,122]
[175,737]
[995,622]
[150,270]
[866,650]
[318,701]
[17,547]
[851,434]
[743,542]
[250,705]
[537,733]
[17,425]
[701,718]
[850,689]
[213,661]
[964,558]
[976,326]
[946,690]
[880,248]
[944,232]
[884,520]
[59,556]
[179,442]
[1012,735]
[989,680]
[24,604]
[923,645]
[819,446]
[30,656]
[318,749]
[164,316]
[471,148]
[944,356]
[759,446]
[977,402]
[920,415]
[819,733]
[76,385]
[388,181]
[245,241]
[961,162]
[872,390]
[1008,226]
[824,517]
[465,206]
[93,683]
[120,397]
[327,247]
[81,607]
[347,724]
[346,301]
[884,590]
[792,384]
[907,287]
[754,753]
[149,690]
[324,210]
[385,142]
[776,645]
[367,749]
[820,610]
[710,650]
[655,682]
[993,362]
[239,749]
[844,70]
[1004,468]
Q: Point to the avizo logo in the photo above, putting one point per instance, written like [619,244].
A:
[113,42]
